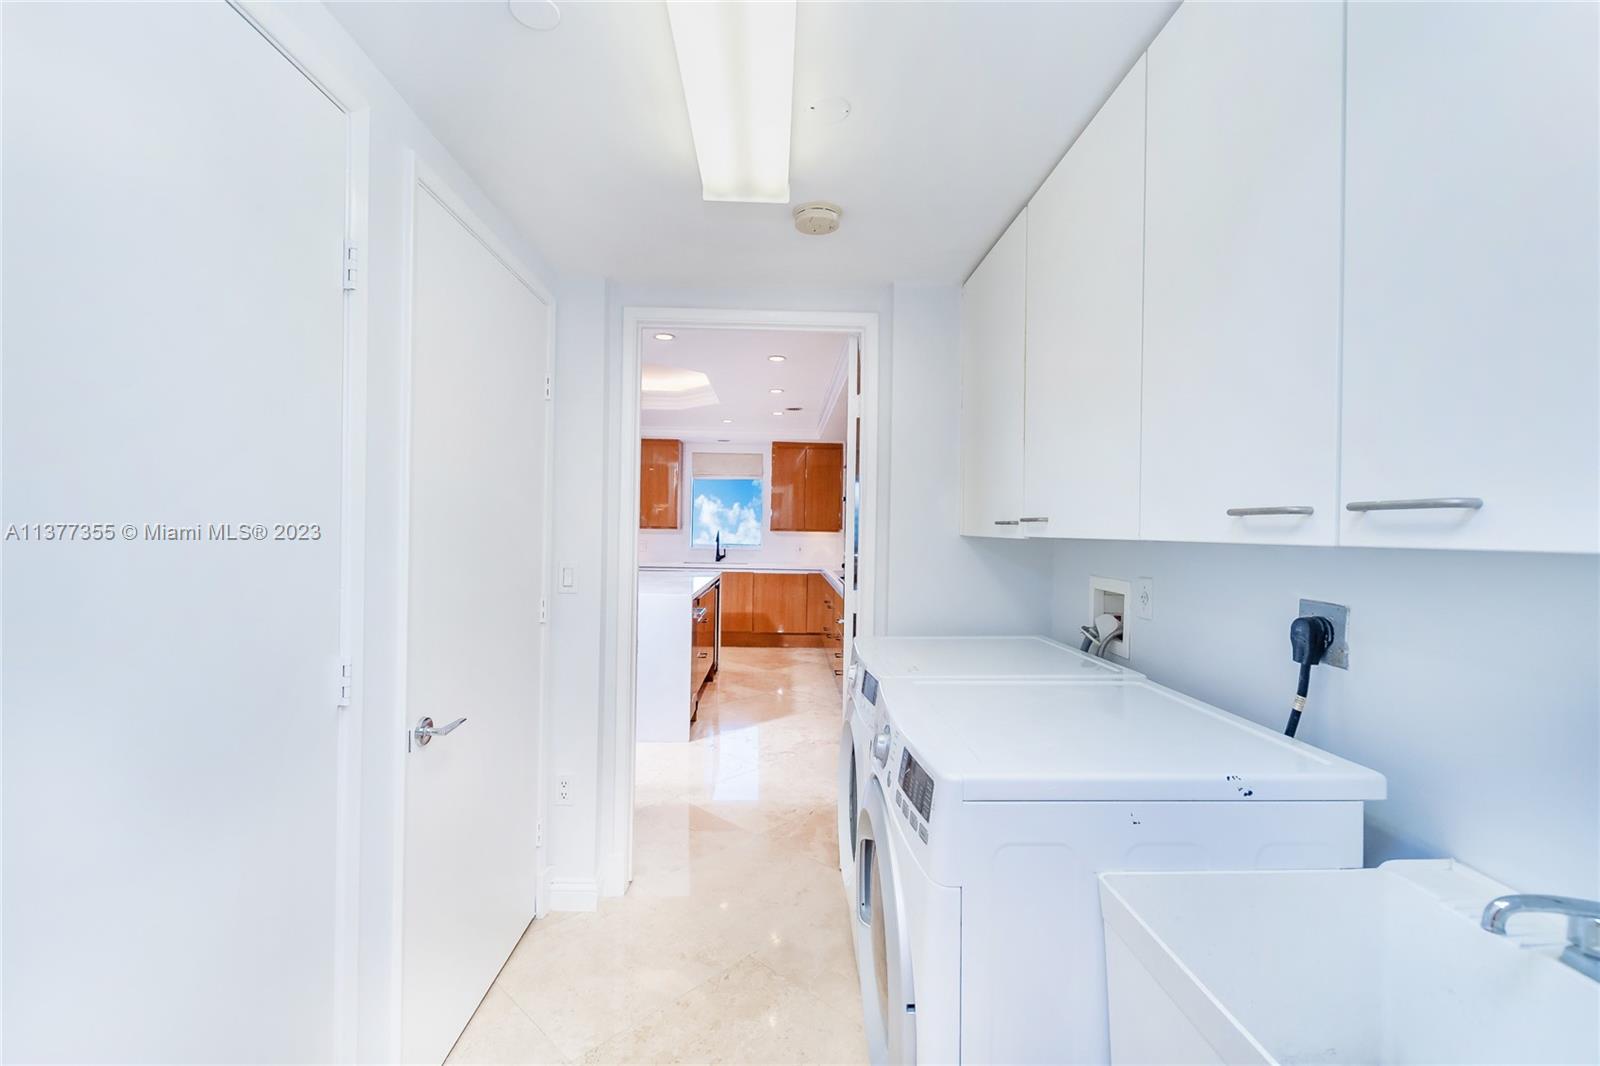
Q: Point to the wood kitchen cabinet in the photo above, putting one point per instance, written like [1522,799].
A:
[704,646]
[1470,276]
[779,603]
[823,605]
[993,322]
[807,487]
[660,478]
[1085,285]
[738,601]
[824,492]
[1242,274]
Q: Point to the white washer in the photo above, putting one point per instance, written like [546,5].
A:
[993,805]
[877,659]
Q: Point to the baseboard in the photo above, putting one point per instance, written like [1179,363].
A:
[614,879]
[573,894]
[772,640]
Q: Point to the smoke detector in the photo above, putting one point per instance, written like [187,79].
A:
[817,219]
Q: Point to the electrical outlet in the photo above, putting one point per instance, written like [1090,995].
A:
[1144,595]
[1338,653]
[563,791]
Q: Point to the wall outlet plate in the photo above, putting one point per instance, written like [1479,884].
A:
[1338,653]
[1144,597]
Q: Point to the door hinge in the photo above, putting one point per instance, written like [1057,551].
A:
[346,682]
[544,610]
[538,834]
[549,387]
[352,266]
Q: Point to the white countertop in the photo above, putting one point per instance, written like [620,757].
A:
[687,583]
[833,577]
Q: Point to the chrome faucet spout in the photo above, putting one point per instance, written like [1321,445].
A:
[1582,952]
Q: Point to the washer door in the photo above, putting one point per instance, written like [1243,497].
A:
[849,804]
[883,943]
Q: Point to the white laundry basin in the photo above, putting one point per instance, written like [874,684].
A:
[1349,966]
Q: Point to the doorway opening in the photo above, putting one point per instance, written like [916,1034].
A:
[747,566]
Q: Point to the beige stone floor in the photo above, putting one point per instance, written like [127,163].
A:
[732,943]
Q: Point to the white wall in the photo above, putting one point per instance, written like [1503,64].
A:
[577,618]
[319,42]
[1472,683]
[939,581]
[670,547]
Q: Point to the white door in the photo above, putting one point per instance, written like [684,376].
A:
[992,323]
[1085,330]
[174,219]
[477,533]
[882,936]
[1470,345]
[1241,303]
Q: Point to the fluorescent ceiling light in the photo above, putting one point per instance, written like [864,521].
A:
[736,61]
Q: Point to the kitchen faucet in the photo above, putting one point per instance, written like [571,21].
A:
[721,552]
[1582,952]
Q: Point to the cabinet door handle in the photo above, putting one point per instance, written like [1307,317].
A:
[1007,522]
[1254,512]
[1033,520]
[1432,503]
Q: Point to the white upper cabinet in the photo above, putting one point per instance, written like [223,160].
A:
[1471,354]
[1242,234]
[993,308]
[1085,286]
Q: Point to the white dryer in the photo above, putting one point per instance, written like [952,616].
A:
[990,810]
[876,659]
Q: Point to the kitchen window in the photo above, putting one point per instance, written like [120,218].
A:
[725,498]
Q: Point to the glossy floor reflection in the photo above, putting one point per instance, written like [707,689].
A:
[732,943]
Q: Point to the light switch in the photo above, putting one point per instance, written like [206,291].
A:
[569,578]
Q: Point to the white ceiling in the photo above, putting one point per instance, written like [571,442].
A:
[580,134]
[812,377]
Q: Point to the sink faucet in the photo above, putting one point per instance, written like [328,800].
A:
[1582,952]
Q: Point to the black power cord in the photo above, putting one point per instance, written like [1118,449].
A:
[1310,636]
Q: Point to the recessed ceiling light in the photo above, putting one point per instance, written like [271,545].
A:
[776,392]
[791,408]
[727,421]
[777,412]
[535,14]
[666,336]
[724,440]
[776,358]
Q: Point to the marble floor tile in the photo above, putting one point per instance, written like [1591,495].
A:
[500,1032]
[732,944]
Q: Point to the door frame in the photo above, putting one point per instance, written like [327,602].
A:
[867,603]
[280,30]
[423,180]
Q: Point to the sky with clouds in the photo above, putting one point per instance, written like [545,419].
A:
[731,506]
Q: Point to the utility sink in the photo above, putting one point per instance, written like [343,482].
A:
[1349,966]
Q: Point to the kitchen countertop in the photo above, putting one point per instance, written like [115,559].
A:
[685,582]
[667,572]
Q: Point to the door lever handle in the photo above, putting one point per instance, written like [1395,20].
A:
[425,731]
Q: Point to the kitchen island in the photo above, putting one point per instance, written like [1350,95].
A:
[680,642]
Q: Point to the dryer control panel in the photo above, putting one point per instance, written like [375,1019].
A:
[914,797]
